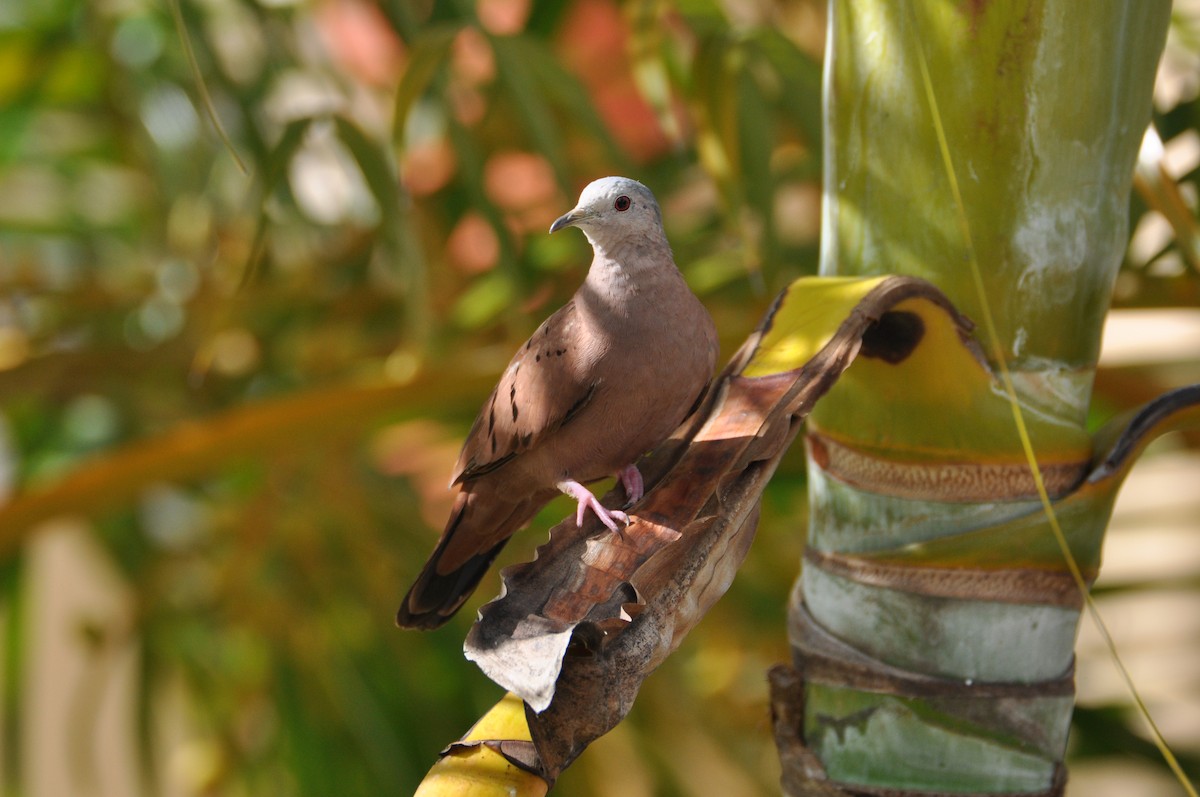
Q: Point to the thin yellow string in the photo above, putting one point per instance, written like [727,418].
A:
[993,339]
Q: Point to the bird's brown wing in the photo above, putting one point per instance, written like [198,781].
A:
[543,388]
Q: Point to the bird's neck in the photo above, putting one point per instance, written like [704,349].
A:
[644,246]
[628,273]
[631,256]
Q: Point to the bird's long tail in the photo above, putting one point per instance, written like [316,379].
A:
[474,535]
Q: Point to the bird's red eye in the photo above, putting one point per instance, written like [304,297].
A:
[622,203]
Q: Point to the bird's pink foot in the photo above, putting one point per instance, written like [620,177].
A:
[583,496]
[631,480]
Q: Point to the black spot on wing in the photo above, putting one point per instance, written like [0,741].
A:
[474,472]
[579,405]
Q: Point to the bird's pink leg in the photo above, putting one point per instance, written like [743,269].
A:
[631,479]
[586,501]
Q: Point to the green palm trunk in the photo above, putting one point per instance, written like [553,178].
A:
[935,620]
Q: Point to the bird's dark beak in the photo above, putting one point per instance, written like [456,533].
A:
[568,220]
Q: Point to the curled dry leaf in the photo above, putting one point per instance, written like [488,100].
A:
[577,630]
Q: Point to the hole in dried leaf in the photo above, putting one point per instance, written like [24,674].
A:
[893,337]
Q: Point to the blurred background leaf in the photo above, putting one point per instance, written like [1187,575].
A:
[230,403]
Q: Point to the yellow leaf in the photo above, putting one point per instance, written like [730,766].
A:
[471,768]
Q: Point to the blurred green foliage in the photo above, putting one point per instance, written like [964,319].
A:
[253,385]
[185,348]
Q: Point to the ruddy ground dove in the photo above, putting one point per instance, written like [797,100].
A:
[603,380]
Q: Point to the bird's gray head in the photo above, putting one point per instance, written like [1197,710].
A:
[613,209]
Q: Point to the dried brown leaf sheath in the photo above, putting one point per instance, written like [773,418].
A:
[577,630]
